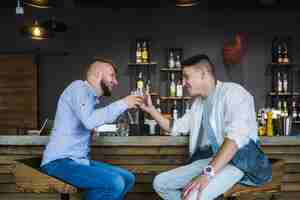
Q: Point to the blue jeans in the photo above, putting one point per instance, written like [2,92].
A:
[169,184]
[100,181]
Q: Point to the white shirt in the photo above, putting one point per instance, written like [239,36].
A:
[232,116]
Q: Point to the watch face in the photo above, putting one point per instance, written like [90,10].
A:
[208,169]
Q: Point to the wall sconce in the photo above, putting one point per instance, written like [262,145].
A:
[36,31]
[187,3]
[41,3]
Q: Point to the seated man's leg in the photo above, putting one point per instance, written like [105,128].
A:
[170,184]
[128,177]
[221,183]
[100,182]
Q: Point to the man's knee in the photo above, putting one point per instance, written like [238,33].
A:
[130,179]
[160,181]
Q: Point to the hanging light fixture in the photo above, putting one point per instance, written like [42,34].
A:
[41,3]
[36,31]
[187,3]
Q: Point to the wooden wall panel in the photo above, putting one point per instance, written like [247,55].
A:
[18,93]
[138,160]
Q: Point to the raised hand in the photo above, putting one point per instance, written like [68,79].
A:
[133,101]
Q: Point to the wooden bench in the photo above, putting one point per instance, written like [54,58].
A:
[269,189]
[29,178]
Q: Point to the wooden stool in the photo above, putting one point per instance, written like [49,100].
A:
[29,178]
[274,186]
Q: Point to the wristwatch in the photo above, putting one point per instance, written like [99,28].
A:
[209,171]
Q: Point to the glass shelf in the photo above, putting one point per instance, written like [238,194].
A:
[166,69]
[142,64]
[283,94]
[175,98]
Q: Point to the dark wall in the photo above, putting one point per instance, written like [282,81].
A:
[110,32]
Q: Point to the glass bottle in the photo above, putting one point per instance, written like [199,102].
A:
[172,86]
[171,60]
[138,52]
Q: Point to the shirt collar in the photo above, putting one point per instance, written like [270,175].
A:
[212,94]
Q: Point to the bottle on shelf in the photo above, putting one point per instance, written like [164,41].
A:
[285,56]
[285,109]
[279,53]
[140,84]
[179,88]
[175,111]
[145,52]
[187,107]
[138,52]
[285,83]
[158,108]
[279,106]
[270,123]
[177,61]
[148,87]
[279,82]
[172,86]
[171,60]
[294,110]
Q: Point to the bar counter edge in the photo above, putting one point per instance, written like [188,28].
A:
[16,140]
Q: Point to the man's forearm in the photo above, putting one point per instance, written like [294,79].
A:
[163,122]
[224,155]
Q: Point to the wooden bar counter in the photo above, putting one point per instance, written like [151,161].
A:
[144,155]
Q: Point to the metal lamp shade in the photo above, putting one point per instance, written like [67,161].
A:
[41,3]
[187,3]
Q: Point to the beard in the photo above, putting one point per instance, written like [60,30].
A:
[106,90]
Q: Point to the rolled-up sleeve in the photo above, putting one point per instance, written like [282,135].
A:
[239,116]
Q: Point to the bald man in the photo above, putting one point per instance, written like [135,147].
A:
[67,154]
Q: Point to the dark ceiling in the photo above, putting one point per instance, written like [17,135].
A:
[211,4]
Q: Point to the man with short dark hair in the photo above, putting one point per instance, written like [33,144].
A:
[224,145]
[67,154]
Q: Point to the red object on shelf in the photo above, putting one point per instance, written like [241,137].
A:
[233,53]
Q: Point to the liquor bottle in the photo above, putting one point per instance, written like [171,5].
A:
[172,86]
[279,82]
[285,109]
[177,62]
[187,107]
[270,123]
[148,87]
[145,52]
[285,83]
[279,54]
[158,108]
[279,105]
[179,89]
[285,56]
[140,84]
[175,111]
[171,60]
[294,110]
[138,52]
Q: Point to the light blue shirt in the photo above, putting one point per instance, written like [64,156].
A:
[76,116]
[231,114]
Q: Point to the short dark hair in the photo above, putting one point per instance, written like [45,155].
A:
[199,59]
[102,60]
[106,60]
